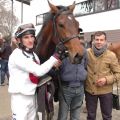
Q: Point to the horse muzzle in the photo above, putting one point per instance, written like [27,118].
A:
[76,59]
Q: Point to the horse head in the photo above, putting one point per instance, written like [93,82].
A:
[62,27]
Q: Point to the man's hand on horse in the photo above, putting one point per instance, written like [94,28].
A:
[60,51]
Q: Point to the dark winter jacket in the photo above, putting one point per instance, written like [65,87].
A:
[74,74]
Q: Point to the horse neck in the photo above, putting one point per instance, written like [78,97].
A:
[114,46]
[45,42]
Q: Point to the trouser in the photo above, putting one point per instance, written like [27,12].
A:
[23,107]
[45,100]
[105,105]
[4,70]
[41,101]
[72,102]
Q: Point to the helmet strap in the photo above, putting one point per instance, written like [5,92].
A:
[24,48]
[34,59]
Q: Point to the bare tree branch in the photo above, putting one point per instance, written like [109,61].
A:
[7,20]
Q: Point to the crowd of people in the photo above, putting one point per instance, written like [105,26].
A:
[93,77]
[5,51]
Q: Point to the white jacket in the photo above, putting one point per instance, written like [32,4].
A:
[19,68]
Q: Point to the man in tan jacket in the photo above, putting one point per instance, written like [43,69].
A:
[103,71]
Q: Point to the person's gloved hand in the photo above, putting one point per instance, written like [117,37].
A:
[59,51]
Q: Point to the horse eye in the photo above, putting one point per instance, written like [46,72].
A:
[61,25]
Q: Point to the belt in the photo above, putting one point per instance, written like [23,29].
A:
[66,83]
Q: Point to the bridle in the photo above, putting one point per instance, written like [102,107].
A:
[62,40]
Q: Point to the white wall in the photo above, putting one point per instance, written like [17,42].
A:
[37,7]
[100,21]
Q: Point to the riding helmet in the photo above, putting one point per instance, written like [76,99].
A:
[25,30]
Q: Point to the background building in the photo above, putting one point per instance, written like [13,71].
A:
[95,15]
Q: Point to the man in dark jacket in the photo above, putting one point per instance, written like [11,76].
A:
[5,51]
[72,84]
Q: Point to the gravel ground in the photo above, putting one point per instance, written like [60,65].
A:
[5,111]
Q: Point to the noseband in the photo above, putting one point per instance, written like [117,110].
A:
[62,40]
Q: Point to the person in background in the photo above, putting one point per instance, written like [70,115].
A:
[1,41]
[89,45]
[14,43]
[103,70]
[71,91]
[5,51]
[24,68]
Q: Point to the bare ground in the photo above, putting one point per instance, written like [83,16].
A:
[5,111]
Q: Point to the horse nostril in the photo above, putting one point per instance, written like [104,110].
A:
[77,59]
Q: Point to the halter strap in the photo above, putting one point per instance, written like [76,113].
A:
[62,40]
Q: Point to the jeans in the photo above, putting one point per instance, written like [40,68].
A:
[105,105]
[4,70]
[74,98]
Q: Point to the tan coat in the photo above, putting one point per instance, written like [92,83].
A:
[106,65]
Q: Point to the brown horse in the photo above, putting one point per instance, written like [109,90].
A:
[115,47]
[59,26]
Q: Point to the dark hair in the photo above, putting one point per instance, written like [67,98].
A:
[99,33]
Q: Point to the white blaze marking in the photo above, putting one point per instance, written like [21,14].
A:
[69,17]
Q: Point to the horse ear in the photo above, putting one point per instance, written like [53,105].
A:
[54,9]
[71,7]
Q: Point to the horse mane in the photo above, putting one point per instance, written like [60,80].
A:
[46,18]
[49,15]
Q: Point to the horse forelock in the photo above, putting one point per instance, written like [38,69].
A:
[49,16]
[63,8]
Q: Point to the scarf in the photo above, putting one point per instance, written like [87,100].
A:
[98,52]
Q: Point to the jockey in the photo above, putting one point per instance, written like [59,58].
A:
[24,30]
[24,69]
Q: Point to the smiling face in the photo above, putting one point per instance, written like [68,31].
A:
[100,40]
[28,41]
